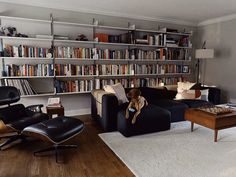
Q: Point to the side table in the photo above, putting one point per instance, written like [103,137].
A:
[59,111]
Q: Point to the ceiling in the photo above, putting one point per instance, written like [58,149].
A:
[186,11]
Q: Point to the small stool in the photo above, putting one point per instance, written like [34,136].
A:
[55,131]
[59,111]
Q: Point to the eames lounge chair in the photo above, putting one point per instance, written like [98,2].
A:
[15,117]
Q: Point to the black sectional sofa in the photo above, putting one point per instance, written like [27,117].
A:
[157,97]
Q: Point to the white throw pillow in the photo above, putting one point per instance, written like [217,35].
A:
[182,91]
[119,92]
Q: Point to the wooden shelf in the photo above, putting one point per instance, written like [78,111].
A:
[74,41]
[85,77]
[25,38]
[38,95]
[180,34]
[27,77]
[73,24]
[114,44]
[73,93]
[113,28]
[77,59]
[152,46]
[116,76]
[25,19]
[25,58]
[179,47]
[149,31]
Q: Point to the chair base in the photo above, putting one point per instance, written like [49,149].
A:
[10,140]
[55,148]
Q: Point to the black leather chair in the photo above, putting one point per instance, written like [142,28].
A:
[55,131]
[14,118]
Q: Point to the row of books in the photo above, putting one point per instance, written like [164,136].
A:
[121,38]
[25,88]
[88,85]
[141,69]
[73,52]
[72,70]
[159,54]
[25,51]
[160,69]
[22,85]
[28,70]
[95,53]
[141,82]
[115,69]
[175,41]
[180,54]
[74,86]
[149,69]
[158,40]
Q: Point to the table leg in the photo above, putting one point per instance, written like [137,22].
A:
[215,134]
[192,125]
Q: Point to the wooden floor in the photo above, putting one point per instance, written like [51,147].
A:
[91,159]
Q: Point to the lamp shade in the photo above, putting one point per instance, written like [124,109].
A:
[204,53]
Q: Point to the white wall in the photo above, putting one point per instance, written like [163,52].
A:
[74,104]
[220,71]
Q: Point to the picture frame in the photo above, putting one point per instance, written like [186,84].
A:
[185,69]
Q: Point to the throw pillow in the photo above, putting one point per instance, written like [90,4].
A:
[182,89]
[186,91]
[119,92]
[204,95]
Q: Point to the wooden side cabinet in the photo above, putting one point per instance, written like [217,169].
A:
[59,111]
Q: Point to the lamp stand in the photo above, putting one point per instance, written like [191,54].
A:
[198,70]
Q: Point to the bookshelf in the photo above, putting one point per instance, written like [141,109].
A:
[71,66]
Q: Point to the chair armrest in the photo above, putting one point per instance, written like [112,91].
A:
[35,108]
[109,112]
[104,108]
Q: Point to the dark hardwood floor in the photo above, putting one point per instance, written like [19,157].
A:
[91,159]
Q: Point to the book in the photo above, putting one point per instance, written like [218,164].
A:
[74,86]
[29,70]
[54,102]
[25,51]
[23,85]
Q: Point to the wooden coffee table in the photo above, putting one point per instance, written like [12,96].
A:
[214,122]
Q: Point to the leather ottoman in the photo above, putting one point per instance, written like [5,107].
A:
[151,119]
[55,131]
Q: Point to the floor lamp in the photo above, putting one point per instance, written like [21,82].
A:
[201,54]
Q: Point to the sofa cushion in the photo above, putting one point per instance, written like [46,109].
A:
[176,108]
[153,93]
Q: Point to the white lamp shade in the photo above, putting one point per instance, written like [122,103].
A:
[204,53]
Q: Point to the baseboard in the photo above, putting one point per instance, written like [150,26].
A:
[77,112]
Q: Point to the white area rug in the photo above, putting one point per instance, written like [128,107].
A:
[177,153]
